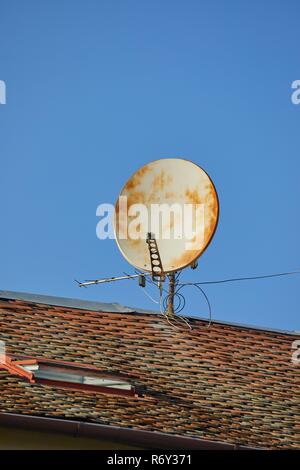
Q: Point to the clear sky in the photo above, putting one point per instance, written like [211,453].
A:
[95,89]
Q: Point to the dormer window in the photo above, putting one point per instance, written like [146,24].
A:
[66,375]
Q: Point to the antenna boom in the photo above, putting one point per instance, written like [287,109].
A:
[110,279]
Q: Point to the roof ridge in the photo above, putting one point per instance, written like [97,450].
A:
[116,307]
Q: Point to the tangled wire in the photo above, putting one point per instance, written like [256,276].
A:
[178,300]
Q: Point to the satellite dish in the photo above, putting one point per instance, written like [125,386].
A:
[180,185]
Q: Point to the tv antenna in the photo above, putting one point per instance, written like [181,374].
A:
[178,210]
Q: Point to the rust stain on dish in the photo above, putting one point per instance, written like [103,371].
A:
[136,197]
[161,181]
[193,196]
[169,195]
[135,180]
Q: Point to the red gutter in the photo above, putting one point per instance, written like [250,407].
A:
[136,437]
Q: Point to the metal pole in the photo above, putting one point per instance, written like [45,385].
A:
[170,310]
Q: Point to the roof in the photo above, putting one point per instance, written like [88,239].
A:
[65,302]
[114,307]
[227,383]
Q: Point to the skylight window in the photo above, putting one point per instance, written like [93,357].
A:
[64,375]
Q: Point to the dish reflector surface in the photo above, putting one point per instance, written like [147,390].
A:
[169,181]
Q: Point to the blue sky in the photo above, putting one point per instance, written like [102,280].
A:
[96,89]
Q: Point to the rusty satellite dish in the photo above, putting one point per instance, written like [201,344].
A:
[189,193]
